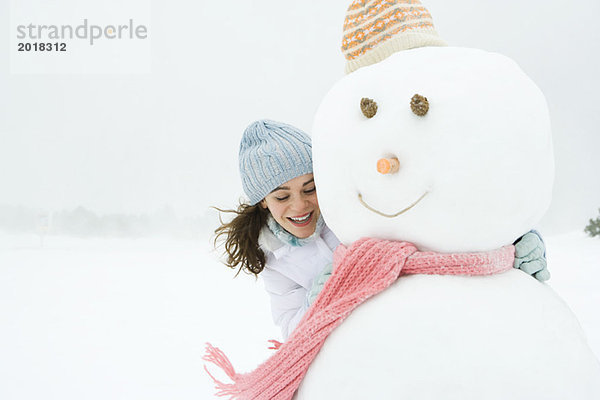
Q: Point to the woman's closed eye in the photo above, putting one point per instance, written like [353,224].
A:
[282,198]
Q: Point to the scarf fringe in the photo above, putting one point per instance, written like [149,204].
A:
[216,356]
[276,344]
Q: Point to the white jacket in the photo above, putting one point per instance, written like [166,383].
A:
[289,273]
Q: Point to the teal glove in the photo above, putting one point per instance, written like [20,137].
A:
[318,283]
[530,256]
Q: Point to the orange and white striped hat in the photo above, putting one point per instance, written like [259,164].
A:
[375,29]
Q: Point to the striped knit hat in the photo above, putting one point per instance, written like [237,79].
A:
[272,153]
[375,29]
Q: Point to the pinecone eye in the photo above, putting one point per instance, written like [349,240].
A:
[419,105]
[368,107]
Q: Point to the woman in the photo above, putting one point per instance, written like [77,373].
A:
[280,233]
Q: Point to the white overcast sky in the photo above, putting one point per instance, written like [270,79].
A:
[135,142]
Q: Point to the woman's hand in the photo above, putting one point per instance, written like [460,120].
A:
[530,256]
[318,283]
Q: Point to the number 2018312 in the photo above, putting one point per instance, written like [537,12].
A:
[42,46]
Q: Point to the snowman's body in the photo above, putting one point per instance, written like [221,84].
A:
[477,170]
[451,337]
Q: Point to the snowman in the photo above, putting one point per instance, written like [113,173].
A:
[449,149]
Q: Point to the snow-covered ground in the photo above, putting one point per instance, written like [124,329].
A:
[128,319]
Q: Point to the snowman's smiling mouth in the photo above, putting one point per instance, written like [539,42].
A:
[368,207]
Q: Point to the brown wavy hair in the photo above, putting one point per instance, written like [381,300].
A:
[241,238]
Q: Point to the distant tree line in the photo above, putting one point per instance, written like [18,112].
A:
[82,222]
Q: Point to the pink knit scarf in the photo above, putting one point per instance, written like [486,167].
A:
[360,272]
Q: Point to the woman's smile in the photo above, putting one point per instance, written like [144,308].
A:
[301,220]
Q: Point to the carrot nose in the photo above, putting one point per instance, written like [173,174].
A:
[388,165]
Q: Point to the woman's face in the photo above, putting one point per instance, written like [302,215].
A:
[294,206]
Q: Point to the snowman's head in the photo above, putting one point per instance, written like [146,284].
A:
[474,172]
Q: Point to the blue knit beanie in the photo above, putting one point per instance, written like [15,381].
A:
[272,153]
